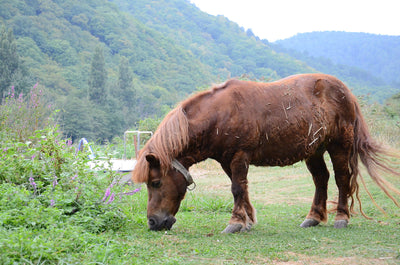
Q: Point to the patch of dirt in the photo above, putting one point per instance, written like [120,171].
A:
[200,173]
[206,169]
[301,259]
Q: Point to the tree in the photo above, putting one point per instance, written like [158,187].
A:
[126,94]
[12,70]
[98,78]
[125,83]
[83,118]
[75,118]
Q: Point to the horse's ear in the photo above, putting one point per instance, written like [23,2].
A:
[154,162]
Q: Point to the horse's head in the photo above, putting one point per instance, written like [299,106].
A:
[166,189]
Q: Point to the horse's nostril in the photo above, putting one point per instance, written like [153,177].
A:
[168,222]
[160,224]
[152,222]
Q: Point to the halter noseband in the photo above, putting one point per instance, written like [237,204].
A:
[178,166]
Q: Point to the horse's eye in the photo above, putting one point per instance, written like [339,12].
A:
[156,184]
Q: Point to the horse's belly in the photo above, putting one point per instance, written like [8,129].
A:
[283,154]
[276,161]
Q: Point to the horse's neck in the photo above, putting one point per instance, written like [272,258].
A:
[189,158]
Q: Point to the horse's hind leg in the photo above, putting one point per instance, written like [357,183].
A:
[243,214]
[340,154]
[316,165]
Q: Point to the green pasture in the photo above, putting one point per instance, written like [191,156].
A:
[282,197]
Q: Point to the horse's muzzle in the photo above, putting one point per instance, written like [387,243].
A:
[156,223]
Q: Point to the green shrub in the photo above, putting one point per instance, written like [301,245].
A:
[48,189]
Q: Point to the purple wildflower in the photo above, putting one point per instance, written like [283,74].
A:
[35,86]
[34,99]
[106,194]
[137,190]
[69,142]
[32,182]
[74,176]
[111,199]
[52,202]
[55,182]
[132,192]
[33,157]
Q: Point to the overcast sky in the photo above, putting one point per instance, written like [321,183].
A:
[280,19]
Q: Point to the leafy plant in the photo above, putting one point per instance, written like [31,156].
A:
[49,188]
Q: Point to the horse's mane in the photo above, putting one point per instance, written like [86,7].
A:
[170,138]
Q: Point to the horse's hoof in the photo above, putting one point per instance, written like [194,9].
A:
[309,223]
[341,223]
[234,228]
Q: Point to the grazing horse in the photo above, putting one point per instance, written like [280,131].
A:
[242,123]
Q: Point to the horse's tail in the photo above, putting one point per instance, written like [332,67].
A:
[377,160]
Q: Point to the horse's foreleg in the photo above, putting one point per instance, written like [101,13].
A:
[243,214]
[316,165]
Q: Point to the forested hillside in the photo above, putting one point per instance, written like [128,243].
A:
[57,40]
[227,48]
[108,64]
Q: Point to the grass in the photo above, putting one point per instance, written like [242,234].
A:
[282,197]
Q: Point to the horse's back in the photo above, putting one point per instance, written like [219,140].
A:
[277,123]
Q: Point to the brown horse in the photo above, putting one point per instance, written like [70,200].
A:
[240,123]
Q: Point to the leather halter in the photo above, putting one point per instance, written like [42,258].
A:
[178,166]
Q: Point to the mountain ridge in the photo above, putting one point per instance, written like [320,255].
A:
[377,54]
